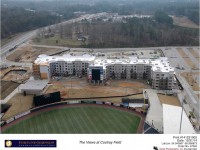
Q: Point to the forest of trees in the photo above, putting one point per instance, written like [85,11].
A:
[16,19]
[135,32]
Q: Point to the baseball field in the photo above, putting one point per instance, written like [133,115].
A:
[77,119]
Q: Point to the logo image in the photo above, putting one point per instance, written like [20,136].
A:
[30,143]
[8,143]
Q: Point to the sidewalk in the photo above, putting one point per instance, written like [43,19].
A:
[155,113]
[10,96]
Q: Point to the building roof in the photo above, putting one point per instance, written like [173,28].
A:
[34,85]
[171,120]
[45,59]
[158,65]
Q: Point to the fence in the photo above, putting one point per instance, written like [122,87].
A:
[17,116]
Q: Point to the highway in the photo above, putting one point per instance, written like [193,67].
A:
[5,50]
[17,41]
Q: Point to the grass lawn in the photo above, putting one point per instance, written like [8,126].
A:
[79,119]
[61,42]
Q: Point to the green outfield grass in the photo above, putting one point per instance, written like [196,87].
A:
[79,119]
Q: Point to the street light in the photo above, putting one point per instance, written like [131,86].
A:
[181,115]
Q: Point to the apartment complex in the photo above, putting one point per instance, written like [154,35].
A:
[157,71]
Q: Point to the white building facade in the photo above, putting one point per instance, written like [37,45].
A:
[157,71]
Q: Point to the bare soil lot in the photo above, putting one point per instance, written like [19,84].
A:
[7,87]
[29,54]
[191,79]
[184,22]
[19,103]
[187,59]
[190,63]
[182,53]
[194,53]
[171,100]
[81,89]
[15,74]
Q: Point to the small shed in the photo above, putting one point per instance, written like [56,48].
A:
[33,87]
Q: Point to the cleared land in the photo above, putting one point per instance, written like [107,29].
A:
[83,119]
[171,100]
[19,103]
[194,53]
[60,41]
[182,53]
[15,74]
[184,22]
[81,89]
[187,59]
[7,87]
[191,79]
[28,53]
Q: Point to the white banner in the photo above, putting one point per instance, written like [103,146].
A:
[22,114]
[111,141]
[10,120]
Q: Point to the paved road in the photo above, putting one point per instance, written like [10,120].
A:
[17,41]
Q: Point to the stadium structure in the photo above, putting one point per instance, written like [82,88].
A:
[98,70]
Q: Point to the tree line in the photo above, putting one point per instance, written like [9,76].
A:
[134,32]
[15,20]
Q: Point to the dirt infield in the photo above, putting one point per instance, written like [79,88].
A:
[6,88]
[139,130]
[171,100]
[19,103]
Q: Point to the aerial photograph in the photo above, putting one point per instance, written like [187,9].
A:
[100,67]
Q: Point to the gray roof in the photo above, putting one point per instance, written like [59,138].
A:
[34,85]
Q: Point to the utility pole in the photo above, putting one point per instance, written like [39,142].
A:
[181,116]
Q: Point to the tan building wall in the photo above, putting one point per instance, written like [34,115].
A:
[44,75]
[36,69]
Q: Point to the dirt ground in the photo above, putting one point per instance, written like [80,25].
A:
[7,75]
[184,22]
[171,100]
[191,79]
[190,63]
[194,53]
[182,53]
[6,88]
[28,53]
[80,88]
[19,103]
[187,59]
